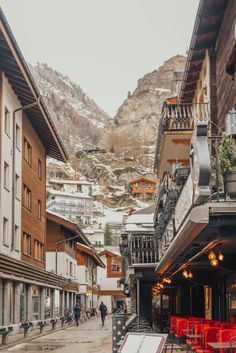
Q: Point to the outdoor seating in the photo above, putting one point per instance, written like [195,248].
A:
[232,343]
[210,334]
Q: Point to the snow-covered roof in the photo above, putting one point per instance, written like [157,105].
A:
[93,230]
[60,216]
[69,181]
[78,195]
[140,219]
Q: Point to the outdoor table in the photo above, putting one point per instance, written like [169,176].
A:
[194,336]
[222,345]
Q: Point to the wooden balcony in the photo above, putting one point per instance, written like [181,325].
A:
[143,249]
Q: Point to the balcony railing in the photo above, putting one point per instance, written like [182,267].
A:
[179,117]
[143,249]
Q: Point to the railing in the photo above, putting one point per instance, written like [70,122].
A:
[143,249]
[179,117]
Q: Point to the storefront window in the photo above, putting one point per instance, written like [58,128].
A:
[35,303]
[47,303]
[23,302]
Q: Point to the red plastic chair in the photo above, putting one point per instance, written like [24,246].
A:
[191,329]
[225,336]
[181,324]
[198,340]
[210,334]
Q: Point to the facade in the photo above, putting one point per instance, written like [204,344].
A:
[195,219]
[77,207]
[96,237]
[109,279]
[87,264]
[27,136]
[139,260]
[71,186]
[144,188]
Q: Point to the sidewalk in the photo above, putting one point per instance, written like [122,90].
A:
[90,337]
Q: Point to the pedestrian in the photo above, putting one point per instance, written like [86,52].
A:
[103,310]
[77,313]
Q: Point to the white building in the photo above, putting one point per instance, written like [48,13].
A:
[96,237]
[77,207]
[71,186]
[111,291]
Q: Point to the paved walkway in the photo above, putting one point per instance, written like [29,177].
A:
[90,337]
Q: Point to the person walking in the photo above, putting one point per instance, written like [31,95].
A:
[103,310]
[77,313]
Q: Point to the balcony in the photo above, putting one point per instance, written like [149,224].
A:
[143,249]
[174,134]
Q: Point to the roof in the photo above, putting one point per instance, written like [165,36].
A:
[206,28]
[66,223]
[146,210]
[79,195]
[109,252]
[13,64]
[143,179]
[91,253]
[69,181]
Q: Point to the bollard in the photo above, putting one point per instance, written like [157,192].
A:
[118,330]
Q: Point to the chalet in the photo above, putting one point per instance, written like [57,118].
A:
[143,187]
[88,262]
[109,279]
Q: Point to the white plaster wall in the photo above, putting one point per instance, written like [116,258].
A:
[81,270]
[107,300]
[102,279]
[62,267]
[11,102]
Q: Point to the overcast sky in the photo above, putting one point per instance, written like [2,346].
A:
[104,45]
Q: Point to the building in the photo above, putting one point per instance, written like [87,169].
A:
[143,187]
[71,186]
[109,279]
[27,137]
[77,207]
[96,237]
[88,262]
[140,255]
[194,222]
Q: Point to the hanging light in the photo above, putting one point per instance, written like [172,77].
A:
[168,280]
[212,256]
[190,274]
[220,256]
[185,273]
[214,262]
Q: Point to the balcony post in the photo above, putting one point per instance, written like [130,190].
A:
[138,277]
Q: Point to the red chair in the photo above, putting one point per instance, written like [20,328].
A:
[198,340]
[190,330]
[225,336]
[181,324]
[210,334]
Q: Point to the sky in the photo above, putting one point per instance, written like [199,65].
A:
[103,45]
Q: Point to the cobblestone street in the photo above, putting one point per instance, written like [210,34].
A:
[90,337]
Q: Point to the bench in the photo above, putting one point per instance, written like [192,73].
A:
[4,332]
[26,326]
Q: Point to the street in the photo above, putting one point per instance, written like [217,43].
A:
[90,337]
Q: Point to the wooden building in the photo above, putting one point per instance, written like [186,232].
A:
[143,187]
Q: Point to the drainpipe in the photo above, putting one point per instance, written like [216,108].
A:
[28,106]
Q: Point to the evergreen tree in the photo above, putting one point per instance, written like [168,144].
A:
[107,235]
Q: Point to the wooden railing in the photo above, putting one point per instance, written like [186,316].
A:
[143,249]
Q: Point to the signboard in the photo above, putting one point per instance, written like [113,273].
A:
[184,203]
[143,343]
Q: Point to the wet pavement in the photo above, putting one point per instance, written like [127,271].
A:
[89,337]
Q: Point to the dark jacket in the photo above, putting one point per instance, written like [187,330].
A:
[103,309]
[77,311]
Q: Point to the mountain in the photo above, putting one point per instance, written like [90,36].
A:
[79,120]
[140,111]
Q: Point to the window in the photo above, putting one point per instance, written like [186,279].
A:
[115,264]
[18,137]
[27,196]
[67,266]
[26,244]
[71,269]
[27,152]
[39,210]
[6,176]
[38,251]
[17,238]
[5,231]
[35,303]
[40,169]
[17,186]
[7,122]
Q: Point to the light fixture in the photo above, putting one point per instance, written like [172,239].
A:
[185,273]
[190,274]
[214,262]
[220,256]
[168,280]
[212,256]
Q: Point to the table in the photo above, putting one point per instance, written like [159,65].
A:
[194,336]
[222,345]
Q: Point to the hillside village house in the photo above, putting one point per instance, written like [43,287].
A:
[77,207]
[195,224]
[96,237]
[28,136]
[108,278]
[72,186]
[143,187]
[88,263]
